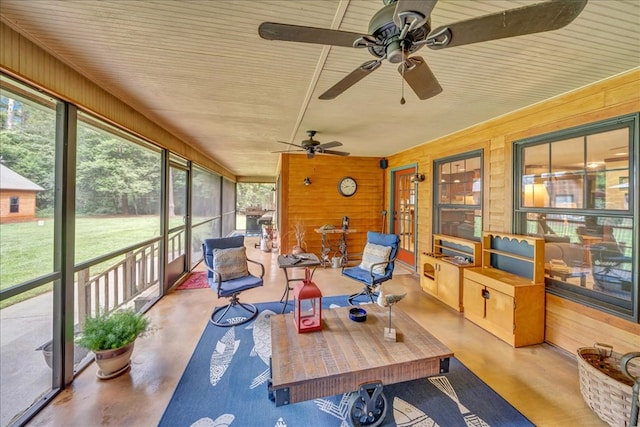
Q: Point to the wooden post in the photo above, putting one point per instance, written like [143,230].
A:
[129,274]
[83,297]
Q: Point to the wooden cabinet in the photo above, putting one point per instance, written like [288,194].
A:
[509,305]
[442,269]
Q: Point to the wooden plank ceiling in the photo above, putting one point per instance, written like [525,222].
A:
[200,69]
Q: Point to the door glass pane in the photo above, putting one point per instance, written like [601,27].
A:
[177,213]
[177,216]
[404,222]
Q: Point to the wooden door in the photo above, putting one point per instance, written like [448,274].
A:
[176,264]
[500,315]
[428,277]
[404,221]
[474,303]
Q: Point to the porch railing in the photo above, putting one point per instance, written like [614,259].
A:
[134,277]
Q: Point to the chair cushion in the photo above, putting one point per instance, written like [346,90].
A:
[382,238]
[235,286]
[374,254]
[231,263]
[357,273]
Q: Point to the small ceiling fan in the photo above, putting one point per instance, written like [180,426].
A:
[311,146]
[402,27]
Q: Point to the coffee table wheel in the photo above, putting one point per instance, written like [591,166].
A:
[368,406]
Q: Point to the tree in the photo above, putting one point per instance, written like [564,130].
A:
[27,145]
[115,176]
[255,195]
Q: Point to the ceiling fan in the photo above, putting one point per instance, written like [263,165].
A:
[402,27]
[311,146]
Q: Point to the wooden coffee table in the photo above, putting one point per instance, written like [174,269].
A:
[351,356]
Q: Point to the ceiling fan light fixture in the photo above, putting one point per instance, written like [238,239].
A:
[395,53]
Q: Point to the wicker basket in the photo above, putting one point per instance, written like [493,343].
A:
[604,387]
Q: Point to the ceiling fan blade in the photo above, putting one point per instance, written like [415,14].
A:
[408,11]
[420,77]
[352,78]
[536,18]
[297,33]
[293,145]
[337,153]
[330,144]
[286,151]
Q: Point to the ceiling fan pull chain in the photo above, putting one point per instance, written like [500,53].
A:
[404,66]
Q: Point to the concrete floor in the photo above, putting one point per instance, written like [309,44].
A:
[540,381]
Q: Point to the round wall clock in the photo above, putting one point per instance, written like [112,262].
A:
[347,186]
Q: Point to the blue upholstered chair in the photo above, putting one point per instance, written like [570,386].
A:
[228,274]
[376,266]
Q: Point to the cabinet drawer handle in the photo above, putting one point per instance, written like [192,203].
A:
[486,294]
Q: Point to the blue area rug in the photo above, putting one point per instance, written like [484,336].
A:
[225,384]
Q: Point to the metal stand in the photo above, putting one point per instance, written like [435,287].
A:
[390,333]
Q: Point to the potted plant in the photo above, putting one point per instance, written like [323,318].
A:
[111,337]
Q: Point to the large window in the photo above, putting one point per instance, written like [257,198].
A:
[458,196]
[206,218]
[576,188]
[28,268]
[117,208]
[117,190]
[82,231]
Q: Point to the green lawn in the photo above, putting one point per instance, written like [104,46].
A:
[26,249]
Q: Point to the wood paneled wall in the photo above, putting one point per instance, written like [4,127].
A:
[566,322]
[320,203]
[22,58]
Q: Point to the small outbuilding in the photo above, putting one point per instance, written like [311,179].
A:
[17,196]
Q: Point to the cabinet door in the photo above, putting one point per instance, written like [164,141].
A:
[473,301]
[448,278]
[428,277]
[499,315]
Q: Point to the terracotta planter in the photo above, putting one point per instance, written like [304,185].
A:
[112,363]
